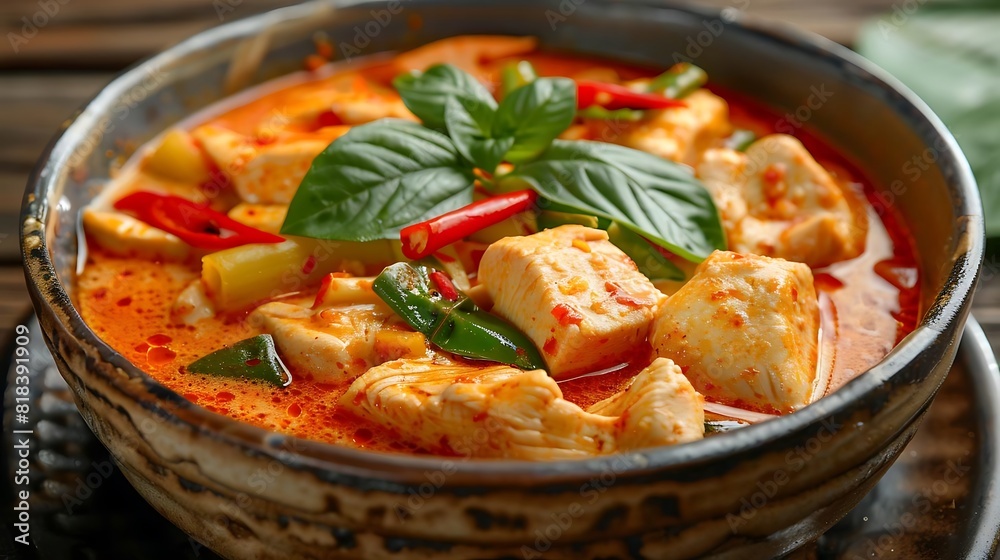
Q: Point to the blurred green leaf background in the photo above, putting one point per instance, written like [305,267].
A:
[948,52]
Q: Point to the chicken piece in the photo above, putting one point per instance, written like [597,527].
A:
[659,407]
[352,98]
[790,186]
[500,411]
[579,298]
[679,133]
[337,344]
[262,174]
[777,201]
[192,304]
[722,173]
[744,330]
[124,236]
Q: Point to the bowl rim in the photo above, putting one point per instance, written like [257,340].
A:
[330,460]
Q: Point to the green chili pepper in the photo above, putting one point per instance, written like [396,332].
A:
[253,358]
[740,139]
[650,261]
[600,113]
[680,81]
[454,324]
[515,75]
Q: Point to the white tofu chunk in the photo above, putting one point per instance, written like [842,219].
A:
[777,201]
[337,344]
[790,186]
[679,133]
[261,174]
[722,172]
[744,330]
[503,412]
[579,298]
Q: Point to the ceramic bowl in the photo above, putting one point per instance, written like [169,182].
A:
[758,492]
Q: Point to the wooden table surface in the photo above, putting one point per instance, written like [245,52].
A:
[59,53]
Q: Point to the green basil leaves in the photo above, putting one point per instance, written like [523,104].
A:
[388,174]
[656,198]
[534,115]
[472,132]
[426,93]
[519,128]
[375,180]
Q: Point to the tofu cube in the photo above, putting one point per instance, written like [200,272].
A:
[796,209]
[337,344]
[261,174]
[581,300]
[679,133]
[744,330]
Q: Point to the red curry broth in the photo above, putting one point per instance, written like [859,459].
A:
[127,301]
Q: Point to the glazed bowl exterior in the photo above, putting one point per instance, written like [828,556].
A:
[758,492]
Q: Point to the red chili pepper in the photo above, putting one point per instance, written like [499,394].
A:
[566,315]
[424,238]
[324,287]
[309,265]
[625,298]
[444,285]
[328,118]
[614,96]
[195,224]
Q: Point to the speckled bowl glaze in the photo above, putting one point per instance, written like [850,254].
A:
[755,493]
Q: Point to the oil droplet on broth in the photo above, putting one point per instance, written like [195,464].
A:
[160,355]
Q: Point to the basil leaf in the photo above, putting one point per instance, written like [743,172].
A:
[253,358]
[740,139]
[654,197]
[948,54]
[376,179]
[652,264]
[426,93]
[471,130]
[976,133]
[535,114]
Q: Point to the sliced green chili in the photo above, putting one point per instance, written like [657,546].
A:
[680,81]
[454,325]
[253,358]
[740,139]
[620,115]
[515,75]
